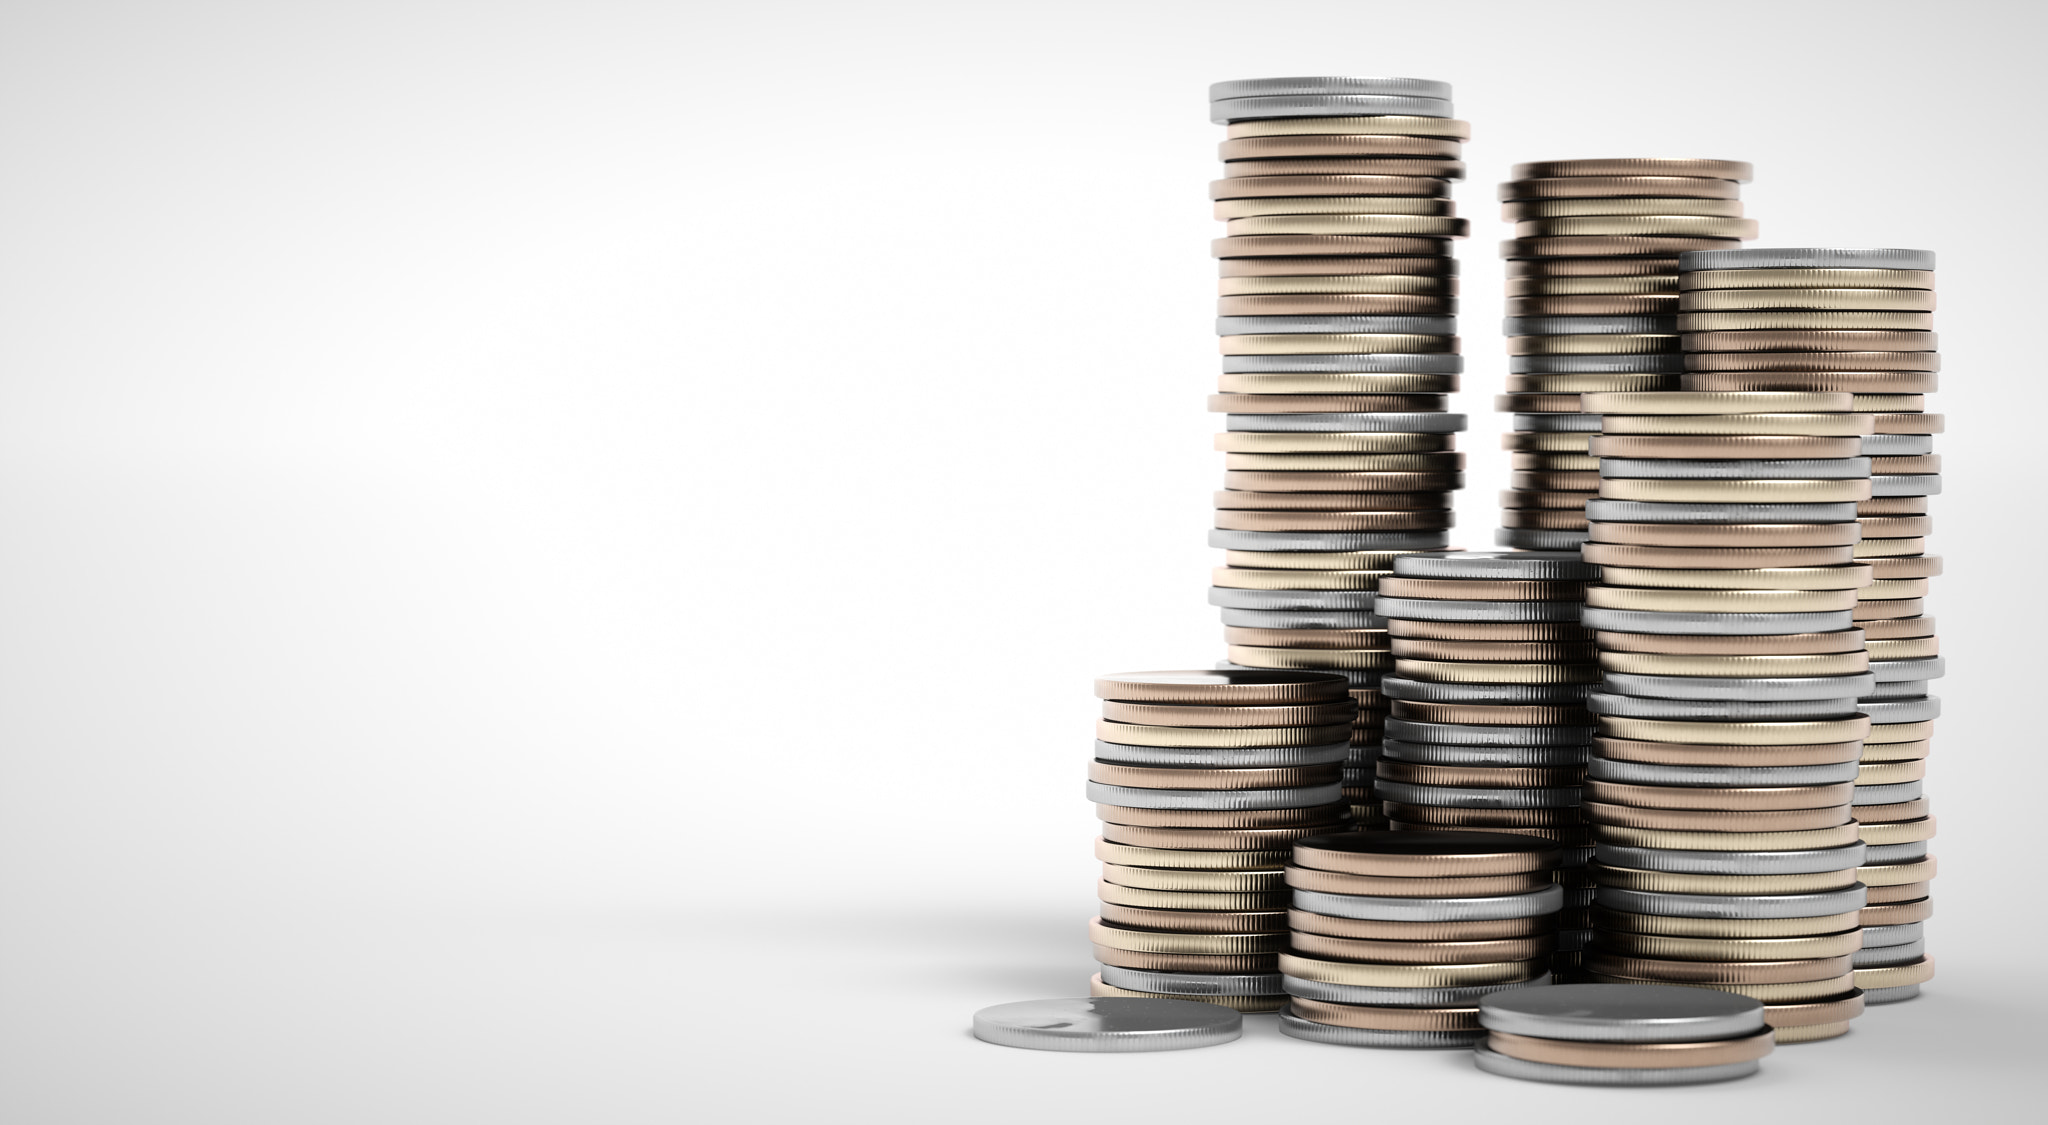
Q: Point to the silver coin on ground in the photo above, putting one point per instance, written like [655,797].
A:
[1107,1024]
[1494,1062]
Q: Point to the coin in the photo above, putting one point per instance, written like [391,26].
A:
[1107,1024]
[1809,259]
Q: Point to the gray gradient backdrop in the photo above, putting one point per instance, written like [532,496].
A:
[554,551]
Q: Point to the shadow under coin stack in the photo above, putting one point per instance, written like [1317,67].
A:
[1622,1035]
[1203,780]
[1857,321]
[1488,729]
[1397,935]
[1720,787]
[1592,306]
[1336,314]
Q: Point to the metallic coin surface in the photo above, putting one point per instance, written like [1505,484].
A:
[1107,1024]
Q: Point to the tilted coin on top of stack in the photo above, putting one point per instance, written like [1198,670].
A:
[1338,326]
[1396,935]
[1720,787]
[1488,728]
[1622,1035]
[1202,780]
[1592,306]
[1858,321]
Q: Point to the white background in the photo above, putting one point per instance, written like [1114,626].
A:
[552,553]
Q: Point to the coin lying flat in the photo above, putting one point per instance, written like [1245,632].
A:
[1107,1024]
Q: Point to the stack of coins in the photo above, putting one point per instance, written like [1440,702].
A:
[1339,345]
[1397,935]
[1720,787]
[1856,321]
[1622,1035]
[1202,780]
[1487,726]
[1592,306]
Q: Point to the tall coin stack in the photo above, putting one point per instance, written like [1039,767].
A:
[1592,306]
[1203,779]
[1339,342]
[1488,728]
[1397,935]
[1861,322]
[1721,785]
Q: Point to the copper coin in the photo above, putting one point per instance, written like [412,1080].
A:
[1548,480]
[1195,921]
[1197,715]
[1738,535]
[1665,266]
[1464,886]
[1811,340]
[1422,952]
[1326,404]
[1209,686]
[1779,644]
[1518,210]
[1537,403]
[1482,777]
[1300,245]
[1492,714]
[1488,631]
[1213,838]
[1888,608]
[1594,305]
[1484,589]
[1739,171]
[1810,361]
[1320,818]
[1570,1052]
[1713,820]
[1485,819]
[1710,558]
[1333,304]
[1423,649]
[1306,638]
[1376,1018]
[1188,962]
[1422,520]
[1619,187]
[1642,343]
[1553,462]
[1412,933]
[1718,798]
[1338,144]
[1542,498]
[1643,285]
[1566,835]
[1692,226]
[1254,500]
[1575,385]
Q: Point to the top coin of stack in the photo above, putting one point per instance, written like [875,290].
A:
[1203,779]
[1337,306]
[1592,306]
[1860,321]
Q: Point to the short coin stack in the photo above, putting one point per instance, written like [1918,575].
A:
[1720,787]
[1339,343]
[1396,935]
[1860,321]
[1592,306]
[1203,779]
[1622,1035]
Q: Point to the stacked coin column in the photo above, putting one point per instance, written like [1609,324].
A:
[1720,787]
[1860,321]
[1336,313]
[1592,299]
[1202,780]
[1488,727]
[1396,935]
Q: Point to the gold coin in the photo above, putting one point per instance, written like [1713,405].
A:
[1630,1056]
[1894,588]
[1306,638]
[1790,993]
[1729,841]
[1896,913]
[1397,284]
[1460,672]
[1896,751]
[1198,944]
[1315,560]
[1345,304]
[1255,657]
[1435,226]
[1739,171]
[1196,715]
[1594,305]
[1192,921]
[1811,425]
[1700,402]
[1187,962]
[1720,323]
[1391,124]
[1806,1023]
[1253,185]
[1308,383]
[1574,385]
[1715,798]
[1342,163]
[1910,648]
[1776,644]
[1409,976]
[1353,482]
[1886,610]
[1346,462]
[1381,145]
[1302,247]
[1896,976]
[1696,226]
[1247,500]
[1486,820]
[1187,859]
[1658,935]
[1735,491]
[1236,1003]
[1725,534]
[1409,886]
[1422,952]
[1746,667]
[1515,211]
[1632,815]
[1809,279]
[1220,687]
[1619,186]
[1876,551]
[1668,882]
[1616,344]
[1610,246]
[1715,300]
[1250,206]
[1334,403]
[1898,892]
[1337,343]
[1253,520]
[1487,777]
[1428,261]
[1786,732]
[1720,601]
[1385,1018]
[1220,839]
[1802,355]
[1177,879]
[1730,567]
[1141,734]
[1413,936]
[1852,381]
[1247,578]
[1484,589]
[1652,284]
[1523,651]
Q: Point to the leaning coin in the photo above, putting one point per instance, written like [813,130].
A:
[1107,1024]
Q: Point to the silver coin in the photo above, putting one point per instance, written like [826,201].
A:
[1423,691]
[1269,87]
[1650,511]
[1384,422]
[1905,484]
[1666,364]
[1352,676]
[1887,794]
[1815,905]
[1107,1023]
[1922,669]
[1326,105]
[1230,597]
[1462,797]
[1901,934]
[1459,609]
[1329,540]
[1715,624]
[1896,689]
[1295,325]
[1557,423]
[1645,468]
[1383,908]
[1806,258]
[1222,757]
[1720,777]
[1475,734]
[1896,853]
[1435,754]
[1718,687]
[1493,1062]
[1295,1027]
[1385,363]
[1588,325]
[1302,619]
[1538,539]
[1535,565]
[1401,997]
[1897,445]
[1192,984]
[1878,957]
[1623,1013]
[1720,710]
[1807,861]
[1902,710]
[1131,797]
[1890,995]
